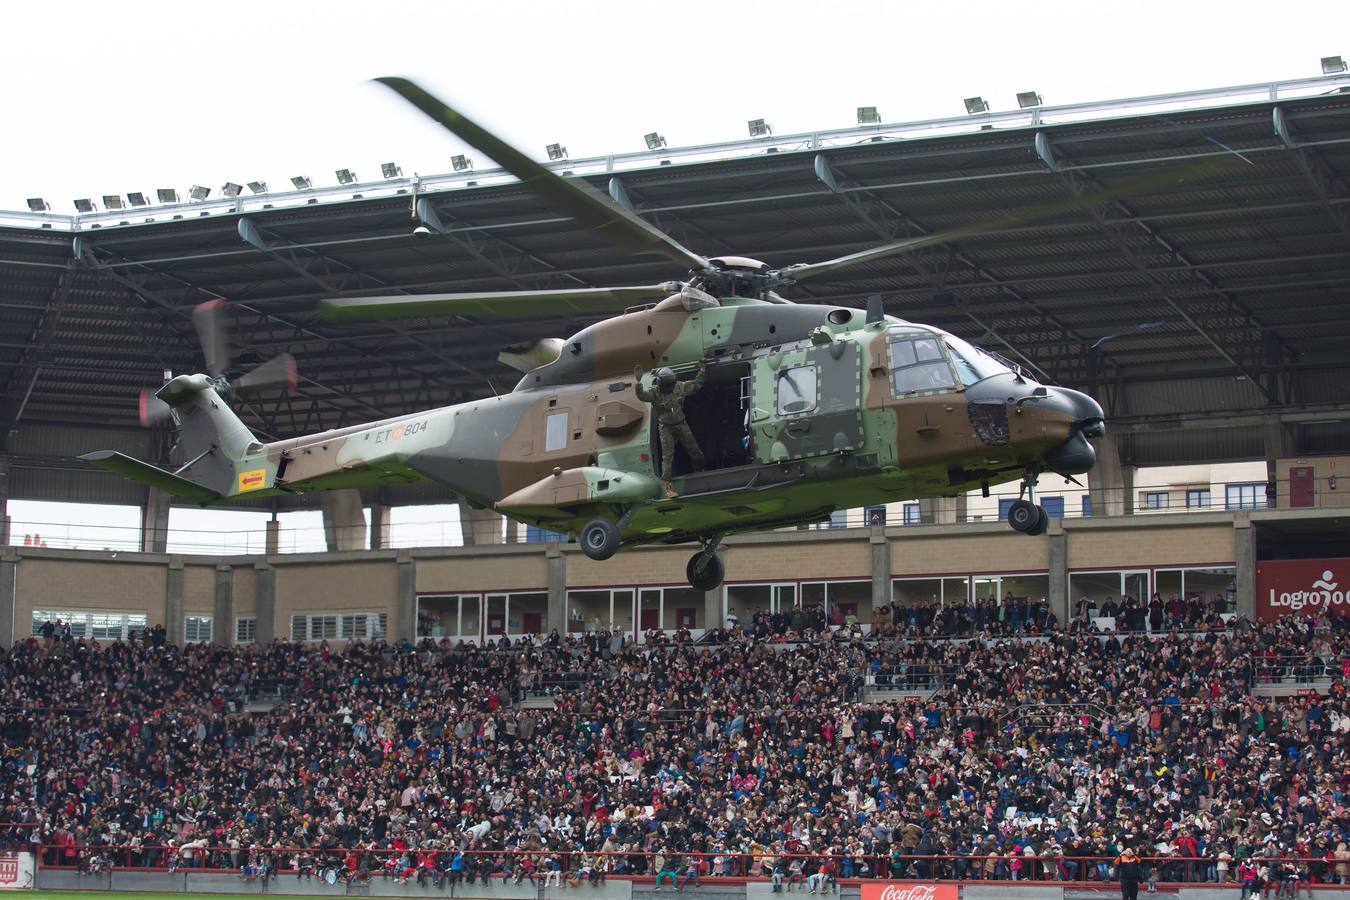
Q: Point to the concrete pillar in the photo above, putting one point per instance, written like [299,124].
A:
[479,526]
[9,583]
[1110,484]
[1244,557]
[344,521]
[943,510]
[515,532]
[173,601]
[407,597]
[713,616]
[881,567]
[1058,595]
[1278,440]
[4,503]
[155,522]
[273,540]
[379,526]
[223,633]
[557,588]
[266,604]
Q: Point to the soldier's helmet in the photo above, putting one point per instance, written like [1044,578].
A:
[665,377]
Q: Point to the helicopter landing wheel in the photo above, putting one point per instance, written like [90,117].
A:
[1027,517]
[599,539]
[705,570]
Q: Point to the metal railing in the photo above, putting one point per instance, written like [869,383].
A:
[1296,669]
[449,864]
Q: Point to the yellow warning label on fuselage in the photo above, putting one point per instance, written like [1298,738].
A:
[252,480]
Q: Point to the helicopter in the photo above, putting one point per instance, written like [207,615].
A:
[803,409]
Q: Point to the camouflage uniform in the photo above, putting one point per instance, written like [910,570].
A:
[669,408]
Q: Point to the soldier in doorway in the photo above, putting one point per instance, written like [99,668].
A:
[667,400]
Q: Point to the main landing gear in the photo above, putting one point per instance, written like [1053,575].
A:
[706,568]
[1026,515]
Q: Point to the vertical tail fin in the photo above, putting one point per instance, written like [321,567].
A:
[221,457]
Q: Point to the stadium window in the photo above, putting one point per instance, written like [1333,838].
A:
[874,515]
[1054,507]
[1005,504]
[1087,506]
[1157,499]
[246,629]
[1197,498]
[838,519]
[913,514]
[103,626]
[197,629]
[1251,495]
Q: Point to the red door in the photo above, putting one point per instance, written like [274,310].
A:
[496,623]
[532,623]
[1302,487]
[684,617]
[650,618]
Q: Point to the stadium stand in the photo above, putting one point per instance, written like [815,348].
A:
[748,754]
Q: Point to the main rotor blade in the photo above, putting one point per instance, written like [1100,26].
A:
[1037,213]
[492,303]
[213,332]
[573,197]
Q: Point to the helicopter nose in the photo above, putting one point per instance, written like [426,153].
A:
[1089,419]
[1076,456]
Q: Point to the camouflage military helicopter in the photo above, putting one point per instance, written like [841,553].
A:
[806,408]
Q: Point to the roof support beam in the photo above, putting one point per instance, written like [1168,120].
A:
[890,224]
[1079,184]
[1326,185]
[15,395]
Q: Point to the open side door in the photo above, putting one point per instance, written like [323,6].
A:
[807,402]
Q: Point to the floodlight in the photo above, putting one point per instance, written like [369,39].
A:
[868,115]
[654,140]
[975,105]
[84,205]
[461,163]
[137,199]
[301,182]
[37,204]
[556,152]
[258,187]
[230,189]
[390,170]
[345,176]
[759,128]
[197,192]
[113,201]
[1332,65]
[1028,100]
[167,195]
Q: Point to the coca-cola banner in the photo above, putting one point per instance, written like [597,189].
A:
[1289,587]
[908,890]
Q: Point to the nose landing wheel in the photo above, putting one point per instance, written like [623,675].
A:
[1028,518]
[1026,515]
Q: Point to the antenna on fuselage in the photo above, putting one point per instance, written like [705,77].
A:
[875,311]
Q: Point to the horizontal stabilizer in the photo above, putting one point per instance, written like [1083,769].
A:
[152,475]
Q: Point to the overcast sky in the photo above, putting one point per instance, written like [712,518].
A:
[104,98]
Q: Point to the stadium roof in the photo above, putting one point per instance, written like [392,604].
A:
[1189,293]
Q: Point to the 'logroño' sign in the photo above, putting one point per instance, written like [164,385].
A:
[1289,587]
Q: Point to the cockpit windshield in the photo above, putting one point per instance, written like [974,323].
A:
[972,363]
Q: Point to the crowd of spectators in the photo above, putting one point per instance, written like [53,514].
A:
[1048,752]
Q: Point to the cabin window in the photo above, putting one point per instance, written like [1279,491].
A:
[918,364]
[796,390]
[555,431]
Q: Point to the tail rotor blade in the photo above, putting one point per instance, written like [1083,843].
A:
[277,372]
[209,319]
[151,410]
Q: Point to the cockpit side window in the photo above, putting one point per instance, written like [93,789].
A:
[972,363]
[918,365]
